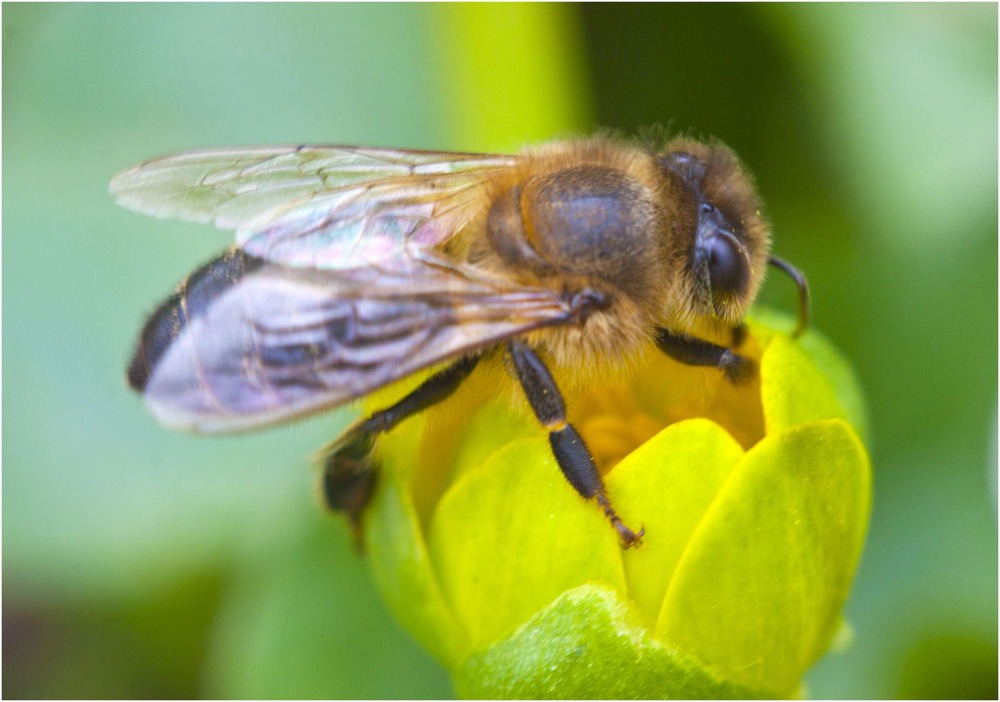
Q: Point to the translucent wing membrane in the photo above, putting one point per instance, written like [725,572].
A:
[319,207]
[372,223]
[280,343]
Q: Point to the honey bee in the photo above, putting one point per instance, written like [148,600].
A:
[355,267]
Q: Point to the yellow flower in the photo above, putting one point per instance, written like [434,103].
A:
[755,502]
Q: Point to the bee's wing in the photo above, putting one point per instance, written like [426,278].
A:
[281,343]
[314,206]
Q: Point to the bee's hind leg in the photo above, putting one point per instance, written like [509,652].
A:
[692,351]
[349,470]
[571,453]
[349,474]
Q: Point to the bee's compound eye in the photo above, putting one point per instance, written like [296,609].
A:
[726,267]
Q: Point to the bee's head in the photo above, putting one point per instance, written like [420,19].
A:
[726,240]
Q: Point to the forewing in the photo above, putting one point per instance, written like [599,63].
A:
[282,343]
[231,186]
[334,207]
[379,223]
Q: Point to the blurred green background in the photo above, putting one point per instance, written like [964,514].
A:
[143,563]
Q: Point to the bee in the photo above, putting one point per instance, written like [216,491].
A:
[356,267]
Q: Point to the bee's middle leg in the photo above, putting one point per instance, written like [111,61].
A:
[349,472]
[571,453]
[692,351]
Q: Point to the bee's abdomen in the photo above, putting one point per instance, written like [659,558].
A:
[194,296]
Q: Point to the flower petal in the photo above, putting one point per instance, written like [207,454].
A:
[498,570]
[758,591]
[785,365]
[824,384]
[401,565]
[667,484]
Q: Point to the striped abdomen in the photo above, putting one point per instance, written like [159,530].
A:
[194,296]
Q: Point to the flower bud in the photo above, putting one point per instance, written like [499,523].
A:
[754,498]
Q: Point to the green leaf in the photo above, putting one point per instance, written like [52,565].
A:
[758,592]
[588,645]
[666,485]
[498,570]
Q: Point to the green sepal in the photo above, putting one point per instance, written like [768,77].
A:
[588,644]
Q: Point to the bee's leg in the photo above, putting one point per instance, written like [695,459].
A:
[349,472]
[571,453]
[698,352]
[738,334]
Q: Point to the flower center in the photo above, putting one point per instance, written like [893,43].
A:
[616,419]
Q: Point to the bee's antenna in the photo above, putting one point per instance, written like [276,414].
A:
[800,281]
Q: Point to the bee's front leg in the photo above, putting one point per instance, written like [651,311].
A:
[698,352]
[349,472]
[571,453]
